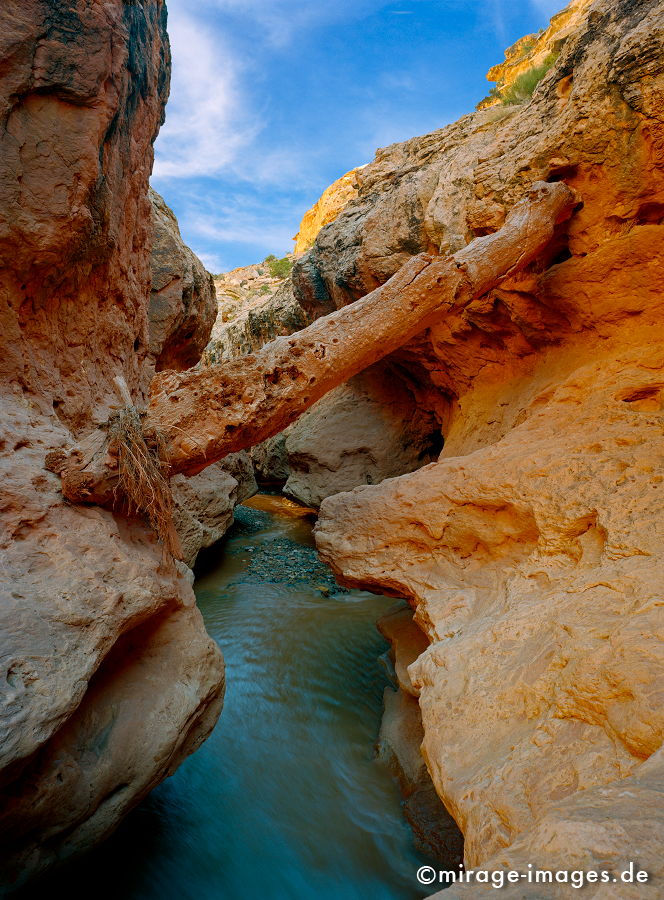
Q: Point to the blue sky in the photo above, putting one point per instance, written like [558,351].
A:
[272,100]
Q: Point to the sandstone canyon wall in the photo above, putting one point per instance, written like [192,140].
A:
[332,202]
[376,426]
[531,552]
[183,301]
[109,676]
[182,311]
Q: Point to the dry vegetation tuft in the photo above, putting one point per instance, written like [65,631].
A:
[143,482]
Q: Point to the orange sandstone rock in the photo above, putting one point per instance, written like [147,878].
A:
[530,551]
[110,678]
[533,49]
[333,200]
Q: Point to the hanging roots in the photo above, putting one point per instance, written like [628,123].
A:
[143,482]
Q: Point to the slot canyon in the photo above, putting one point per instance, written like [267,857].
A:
[407,481]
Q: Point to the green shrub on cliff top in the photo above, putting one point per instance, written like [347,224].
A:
[279,268]
[523,86]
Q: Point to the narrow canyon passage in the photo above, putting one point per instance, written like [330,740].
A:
[287,798]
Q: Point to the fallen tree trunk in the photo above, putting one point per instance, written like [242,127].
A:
[204,414]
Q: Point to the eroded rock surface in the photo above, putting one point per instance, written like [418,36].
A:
[530,551]
[253,310]
[204,503]
[183,302]
[182,311]
[110,678]
[365,431]
[332,202]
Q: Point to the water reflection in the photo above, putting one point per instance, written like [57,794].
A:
[286,800]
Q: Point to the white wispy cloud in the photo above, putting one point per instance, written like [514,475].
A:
[207,123]
[234,227]
[497,13]
[244,219]
[213,124]
[213,262]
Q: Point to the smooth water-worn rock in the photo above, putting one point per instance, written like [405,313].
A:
[183,301]
[110,677]
[407,642]
[369,429]
[400,741]
[204,503]
[530,551]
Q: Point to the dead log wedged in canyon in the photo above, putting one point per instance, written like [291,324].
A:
[205,414]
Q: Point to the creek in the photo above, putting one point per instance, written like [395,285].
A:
[287,799]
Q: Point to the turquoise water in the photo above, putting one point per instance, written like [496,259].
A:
[286,800]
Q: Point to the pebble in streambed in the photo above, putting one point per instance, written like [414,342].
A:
[280,560]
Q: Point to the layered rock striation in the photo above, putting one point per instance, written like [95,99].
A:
[109,677]
[530,551]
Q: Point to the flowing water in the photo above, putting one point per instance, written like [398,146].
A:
[286,800]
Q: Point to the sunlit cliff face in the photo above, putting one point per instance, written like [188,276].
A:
[529,550]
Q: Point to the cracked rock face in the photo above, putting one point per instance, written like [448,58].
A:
[531,552]
[100,636]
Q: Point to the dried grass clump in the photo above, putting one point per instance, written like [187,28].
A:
[523,87]
[143,482]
